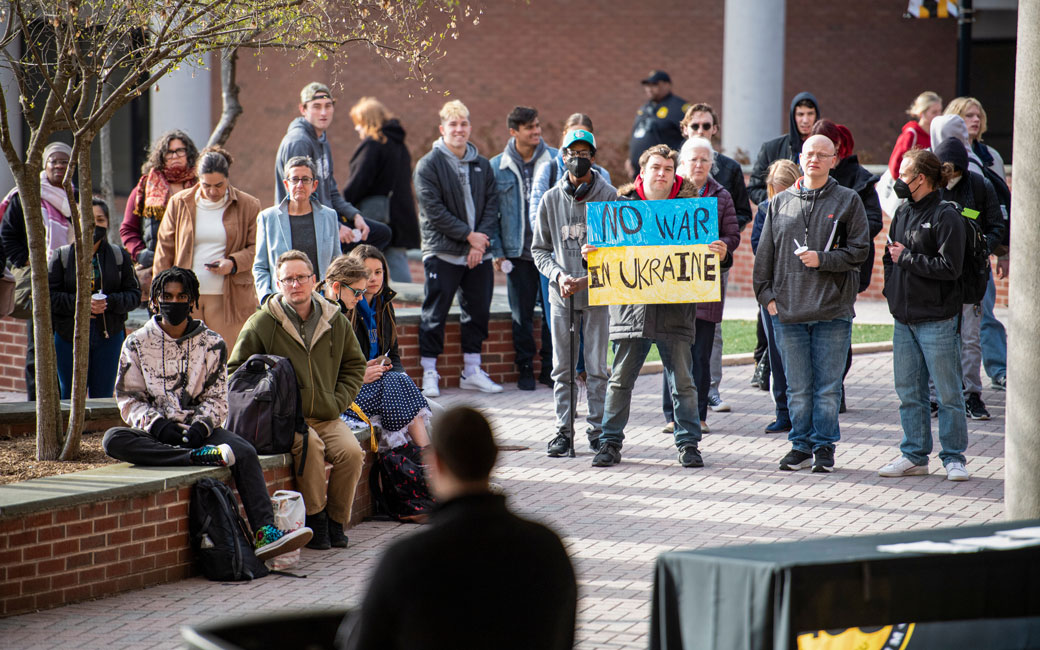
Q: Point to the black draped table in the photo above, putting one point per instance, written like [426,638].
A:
[762,596]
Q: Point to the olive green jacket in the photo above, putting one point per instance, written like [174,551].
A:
[329,374]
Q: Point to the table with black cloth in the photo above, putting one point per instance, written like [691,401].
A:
[762,596]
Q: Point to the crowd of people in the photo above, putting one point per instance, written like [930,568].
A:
[308,278]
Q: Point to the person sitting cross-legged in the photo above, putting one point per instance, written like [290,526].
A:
[171,387]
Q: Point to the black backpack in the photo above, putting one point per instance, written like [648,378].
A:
[264,405]
[219,535]
[1004,198]
[398,485]
[975,272]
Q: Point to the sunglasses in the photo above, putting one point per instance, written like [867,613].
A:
[703,126]
[357,292]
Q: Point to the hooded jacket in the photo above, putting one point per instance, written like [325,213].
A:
[945,127]
[560,233]
[974,191]
[786,146]
[512,212]
[385,169]
[329,373]
[667,322]
[302,140]
[849,173]
[923,284]
[182,379]
[804,294]
[443,217]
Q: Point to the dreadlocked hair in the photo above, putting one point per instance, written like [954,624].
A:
[187,279]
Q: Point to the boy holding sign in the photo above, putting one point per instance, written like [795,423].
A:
[558,238]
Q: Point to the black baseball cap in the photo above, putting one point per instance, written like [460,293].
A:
[657,76]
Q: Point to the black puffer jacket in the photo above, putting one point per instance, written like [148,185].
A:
[118,283]
[923,284]
[385,169]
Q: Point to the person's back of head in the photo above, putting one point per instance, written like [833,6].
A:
[462,441]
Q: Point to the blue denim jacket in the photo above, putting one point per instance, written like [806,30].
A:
[510,242]
[273,238]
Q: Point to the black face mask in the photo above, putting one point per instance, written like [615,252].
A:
[902,190]
[174,313]
[578,167]
[99,233]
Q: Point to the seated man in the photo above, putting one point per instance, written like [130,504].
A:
[310,331]
[511,577]
[172,388]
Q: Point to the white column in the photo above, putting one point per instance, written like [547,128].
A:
[181,100]
[752,75]
[14,122]
[1021,433]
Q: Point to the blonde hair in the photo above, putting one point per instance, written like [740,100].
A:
[370,114]
[960,106]
[922,102]
[781,172]
[454,110]
[346,270]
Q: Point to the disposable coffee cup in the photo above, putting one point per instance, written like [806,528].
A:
[507,267]
[357,234]
[99,296]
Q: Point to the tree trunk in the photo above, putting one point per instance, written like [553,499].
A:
[107,193]
[84,227]
[48,408]
[229,95]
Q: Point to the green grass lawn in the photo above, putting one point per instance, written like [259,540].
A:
[739,336]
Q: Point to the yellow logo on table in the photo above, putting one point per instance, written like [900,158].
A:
[662,112]
[888,637]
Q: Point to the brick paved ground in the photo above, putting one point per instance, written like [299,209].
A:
[615,521]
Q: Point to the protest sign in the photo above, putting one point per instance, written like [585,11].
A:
[653,252]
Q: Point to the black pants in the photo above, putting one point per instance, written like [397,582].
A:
[761,342]
[522,284]
[701,350]
[30,363]
[139,447]
[378,235]
[474,288]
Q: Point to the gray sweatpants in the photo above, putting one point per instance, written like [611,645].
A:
[595,326]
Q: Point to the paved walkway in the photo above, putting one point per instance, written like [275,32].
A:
[615,521]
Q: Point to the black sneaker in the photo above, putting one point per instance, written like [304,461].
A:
[824,461]
[319,523]
[595,443]
[974,408]
[795,460]
[337,538]
[609,454]
[761,376]
[778,426]
[526,379]
[841,407]
[934,406]
[559,446]
[689,456]
[1000,383]
[545,376]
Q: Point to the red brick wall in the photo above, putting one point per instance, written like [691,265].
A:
[89,551]
[12,354]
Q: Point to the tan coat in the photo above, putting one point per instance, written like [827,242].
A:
[176,246]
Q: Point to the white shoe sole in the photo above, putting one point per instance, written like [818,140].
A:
[916,470]
[431,392]
[805,464]
[490,389]
[721,408]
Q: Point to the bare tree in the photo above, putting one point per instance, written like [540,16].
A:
[82,60]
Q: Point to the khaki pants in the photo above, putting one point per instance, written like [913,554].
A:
[211,312]
[332,441]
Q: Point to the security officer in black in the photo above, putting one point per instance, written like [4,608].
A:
[657,121]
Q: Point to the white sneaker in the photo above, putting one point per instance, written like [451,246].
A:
[429,384]
[955,471]
[902,466]
[479,381]
[716,404]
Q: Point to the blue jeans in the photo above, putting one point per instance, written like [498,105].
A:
[992,336]
[102,362]
[702,352]
[814,359]
[920,351]
[629,355]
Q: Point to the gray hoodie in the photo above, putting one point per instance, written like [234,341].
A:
[803,294]
[461,167]
[560,233]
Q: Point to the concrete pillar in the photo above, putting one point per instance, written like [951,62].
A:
[1022,427]
[14,121]
[753,105]
[181,100]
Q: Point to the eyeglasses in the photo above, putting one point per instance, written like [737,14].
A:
[357,292]
[570,153]
[306,180]
[703,126]
[296,280]
[813,155]
[698,161]
[177,153]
